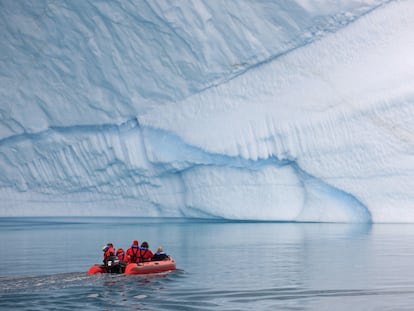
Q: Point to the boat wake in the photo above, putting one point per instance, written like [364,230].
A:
[21,283]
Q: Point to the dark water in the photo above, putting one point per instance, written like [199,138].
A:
[221,265]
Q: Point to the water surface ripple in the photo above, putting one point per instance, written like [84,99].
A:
[221,266]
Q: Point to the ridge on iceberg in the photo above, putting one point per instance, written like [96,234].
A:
[239,110]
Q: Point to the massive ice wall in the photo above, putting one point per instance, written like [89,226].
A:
[239,109]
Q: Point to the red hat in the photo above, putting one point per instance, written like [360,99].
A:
[135,243]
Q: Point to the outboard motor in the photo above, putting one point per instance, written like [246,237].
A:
[113,265]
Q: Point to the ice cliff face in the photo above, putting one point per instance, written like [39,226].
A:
[271,110]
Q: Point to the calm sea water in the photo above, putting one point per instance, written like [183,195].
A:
[221,265]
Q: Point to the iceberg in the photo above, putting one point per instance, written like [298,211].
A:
[244,110]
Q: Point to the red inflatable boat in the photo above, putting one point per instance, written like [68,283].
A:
[138,268]
[150,267]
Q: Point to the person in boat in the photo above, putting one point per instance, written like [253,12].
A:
[121,254]
[108,250]
[145,253]
[132,254]
[160,255]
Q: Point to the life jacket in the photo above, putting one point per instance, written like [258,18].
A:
[159,256]
[144,254]
[121,254]
[133,254]
[109,252]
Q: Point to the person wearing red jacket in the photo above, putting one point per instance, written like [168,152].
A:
[108,250]
[145,253]
[122,259]
[132,254]
[120,254]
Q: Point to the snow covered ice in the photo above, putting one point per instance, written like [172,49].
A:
[256,110]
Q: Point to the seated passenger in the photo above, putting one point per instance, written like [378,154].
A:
[132,254]
[108,250]
[160,255]
[120,254]
[144,253]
